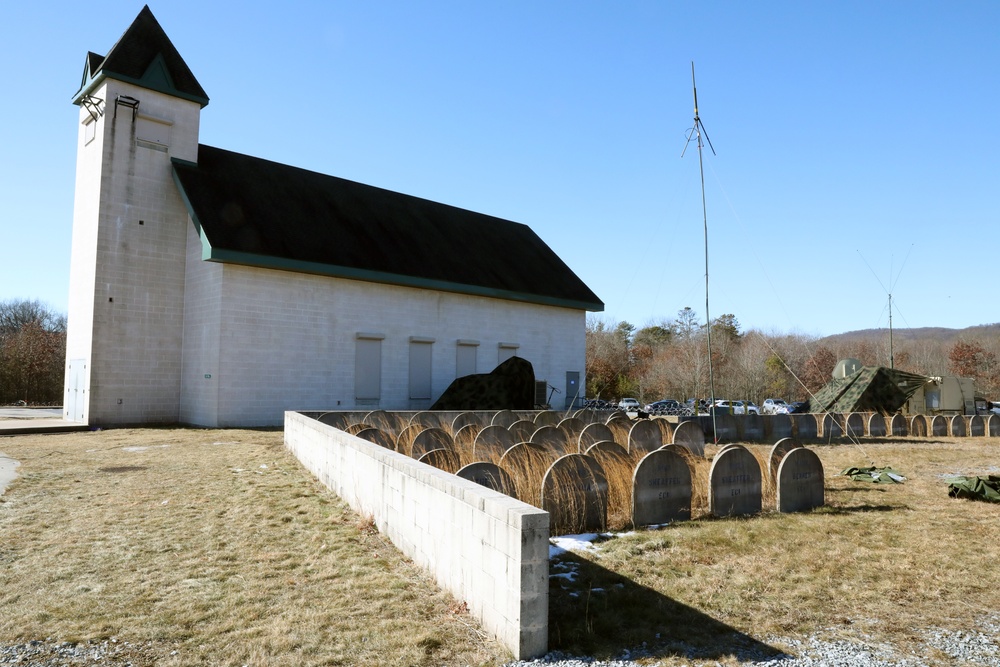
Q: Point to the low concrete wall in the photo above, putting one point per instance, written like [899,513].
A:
[488,549]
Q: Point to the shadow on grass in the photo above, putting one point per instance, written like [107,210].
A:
[596,612]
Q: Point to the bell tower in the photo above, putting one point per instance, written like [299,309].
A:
[140,106]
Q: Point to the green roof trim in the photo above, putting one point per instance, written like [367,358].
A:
[253,212]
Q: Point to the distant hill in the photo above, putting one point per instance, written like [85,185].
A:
[936,334]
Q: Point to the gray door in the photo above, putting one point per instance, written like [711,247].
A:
[573,392]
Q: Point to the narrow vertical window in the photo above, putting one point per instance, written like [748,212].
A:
[420,367]
[466,352]
[368,367]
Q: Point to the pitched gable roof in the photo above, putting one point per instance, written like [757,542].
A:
[261,213]
[144,56]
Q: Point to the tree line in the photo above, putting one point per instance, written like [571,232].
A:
[32,353]
[669,359]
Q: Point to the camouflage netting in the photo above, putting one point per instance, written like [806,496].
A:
[511,386]
[871,389]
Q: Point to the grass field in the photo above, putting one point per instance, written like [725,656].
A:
[216,547]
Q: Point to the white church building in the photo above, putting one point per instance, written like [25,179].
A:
[218,289]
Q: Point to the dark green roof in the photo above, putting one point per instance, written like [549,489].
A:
[261,213]
[145,57]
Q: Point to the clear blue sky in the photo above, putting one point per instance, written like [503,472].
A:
[840,127]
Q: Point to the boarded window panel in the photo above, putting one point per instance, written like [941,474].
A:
[147,129]
[507,350]
[465,360]
[420,370]
[368,369]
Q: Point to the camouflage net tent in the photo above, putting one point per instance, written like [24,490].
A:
[870,389]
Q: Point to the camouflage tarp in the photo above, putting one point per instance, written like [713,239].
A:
[975,488]
[884,475]
[511,386]
[870,389]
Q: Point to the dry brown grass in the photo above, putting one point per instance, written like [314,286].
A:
[215,547]
[879,563]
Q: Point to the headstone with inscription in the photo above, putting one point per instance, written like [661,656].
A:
[918,426]
[575,494]
[977,426]
[958,426]
[661,489]
[939,426]
[800,481]
[734,483]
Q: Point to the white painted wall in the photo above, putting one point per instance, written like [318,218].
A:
[287,342]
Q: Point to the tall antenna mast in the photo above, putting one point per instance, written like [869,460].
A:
[696,131]
[888,291]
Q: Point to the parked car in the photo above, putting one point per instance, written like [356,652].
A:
[752,408]
[798,407]
[629,405]
[774,406]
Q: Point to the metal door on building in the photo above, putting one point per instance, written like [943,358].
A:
[573,394]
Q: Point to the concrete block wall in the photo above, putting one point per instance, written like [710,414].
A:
[485,548]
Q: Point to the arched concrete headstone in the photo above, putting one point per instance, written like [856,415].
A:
[777,453]
[977,426]
[606,446]
[575,494]
[734,483]
[338,420]
[590,416]
[854,425]
[661,489]
[620,429]
[918,426]
[682,450]
[491,443]
[594,433]
[404,441]
[900,427]
[800,481]
[777,427]
[553,439]
[751,427]
[430,419]
[615,414]
[504,418]
[666,427]
[993,426]
[465,437]
[527,464]
[354,429]
[547,418]
[832,427]
[876,425]
[939,426]
[644,437]
[442,459]
[521,430]
[376,418]
[378,437]
[690,435]
[957,426]
[464,419]
[572,427]
[805,427]
[489,475]
[430,439]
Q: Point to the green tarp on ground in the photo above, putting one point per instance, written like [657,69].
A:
[877,475]
[975,488]
[870,389]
